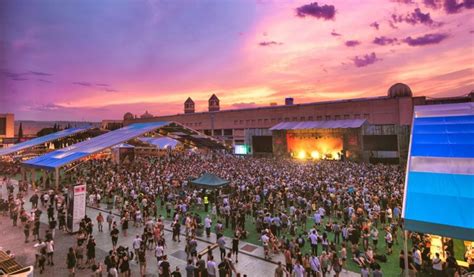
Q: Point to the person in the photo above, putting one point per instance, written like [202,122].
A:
[164,267]
[288,261]
[100,221]
[229,265]
[211,267]
[315,265]
[114,235]
[437,266]
[280,271]
[141,253]
[313,237]
[221,243]
[39,248]
[389,241]
[235,246]
[96,270]
[417,259]
[42,260]
[298,270]
[336,264]
[377,271]
[110,219]
[71,261]
[136,245]
[190,269]
[176,273]
[206,203]
[50,251]
[364,271]
[208,225]
[26,231]
[90,251]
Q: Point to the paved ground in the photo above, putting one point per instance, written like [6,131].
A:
[250,261]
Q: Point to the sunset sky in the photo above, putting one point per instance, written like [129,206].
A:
[93,60]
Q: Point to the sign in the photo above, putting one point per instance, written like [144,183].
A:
[78,204]
[241,149]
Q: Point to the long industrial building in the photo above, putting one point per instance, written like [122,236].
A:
[380,133]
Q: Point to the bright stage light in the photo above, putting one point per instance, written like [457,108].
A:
[315,155]
[301,155]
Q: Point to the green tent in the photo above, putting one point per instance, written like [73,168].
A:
[209,180]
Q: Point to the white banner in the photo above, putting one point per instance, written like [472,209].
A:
[79,209]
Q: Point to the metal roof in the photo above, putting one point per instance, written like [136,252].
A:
[161,142]
[327,124]
[440,169]
[97,144]
[42,140]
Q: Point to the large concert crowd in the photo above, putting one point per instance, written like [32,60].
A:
[320,216]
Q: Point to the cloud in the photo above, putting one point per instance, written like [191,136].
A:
[431,4]
[416,17]
[426,39]
[452,6]
[44,81]
[37,73]
[84,84]
[110,90]
[325,12]
[269,43]
[404,1]
[333,33]
[101,85]
[384,40]
[19,79]
[375,25]
[365,60]
[46,107]
[352,43]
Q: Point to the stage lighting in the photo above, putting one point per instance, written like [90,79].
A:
[301,155]
[315,155]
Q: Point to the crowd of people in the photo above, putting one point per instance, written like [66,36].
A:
[321,216]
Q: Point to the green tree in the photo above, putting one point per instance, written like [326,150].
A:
[20,132]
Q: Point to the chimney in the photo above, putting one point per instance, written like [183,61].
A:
[189,105]
[289,101]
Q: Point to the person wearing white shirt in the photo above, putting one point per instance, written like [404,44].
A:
[437,266]
[313,237]
[298,270]
[137,241]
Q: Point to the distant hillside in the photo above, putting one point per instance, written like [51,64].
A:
[31,127]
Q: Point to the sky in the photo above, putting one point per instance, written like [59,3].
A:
[93,60]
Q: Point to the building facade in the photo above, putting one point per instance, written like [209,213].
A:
[7,129]
[386,116]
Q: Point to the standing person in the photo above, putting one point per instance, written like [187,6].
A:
[26,231]
[136,244]
[298,270]
[437,266]
[211,267]
[315,266]
[176,230]
[374,233]
[221,243]
[206,203]
[71,261]
[208,225]
[190,269]
[165,267]
[288,261]
[336,265]
[313,238]
[114,235]
[235,246]
[52,226]
[389,241]
[100,221]
[142,260]
[280,271]
[110,219]
[50,251]
[124,225]
[91,251]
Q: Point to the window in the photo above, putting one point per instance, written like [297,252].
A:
[273,120]
[287,119]
[310,118]
[241,122]
[260,120]
[295,118]
[236,122]
[302,118]
[366,116]
[248,121]
[227,132]
[319,117]
[328,117]
[346,116]
[338,117]
[265,120]
[356,116]
[280,119]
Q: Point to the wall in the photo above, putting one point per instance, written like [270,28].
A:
[9,126]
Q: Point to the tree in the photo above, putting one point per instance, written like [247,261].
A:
[45,131]
[20,132]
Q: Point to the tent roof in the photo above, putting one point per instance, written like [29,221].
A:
[97,144]
[160,142]
[209,180]
[440,171]
[326,124]
[123,145]
[41,140]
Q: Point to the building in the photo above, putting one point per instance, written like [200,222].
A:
[7,129]
[110,124]
[388,119]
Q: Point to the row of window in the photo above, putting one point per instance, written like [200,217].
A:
[302,118]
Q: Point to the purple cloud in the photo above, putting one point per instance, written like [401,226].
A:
[333,33]
[101,85]
[404,1]
[44,81]
[384,40]
[110,90]
[365,60]
[37,73]
[84,84]
[375,25]
[416,17]
[325,12]
[426,39]
[431,4]
[452,6]
[352,43]
[269,43]
[18,79]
